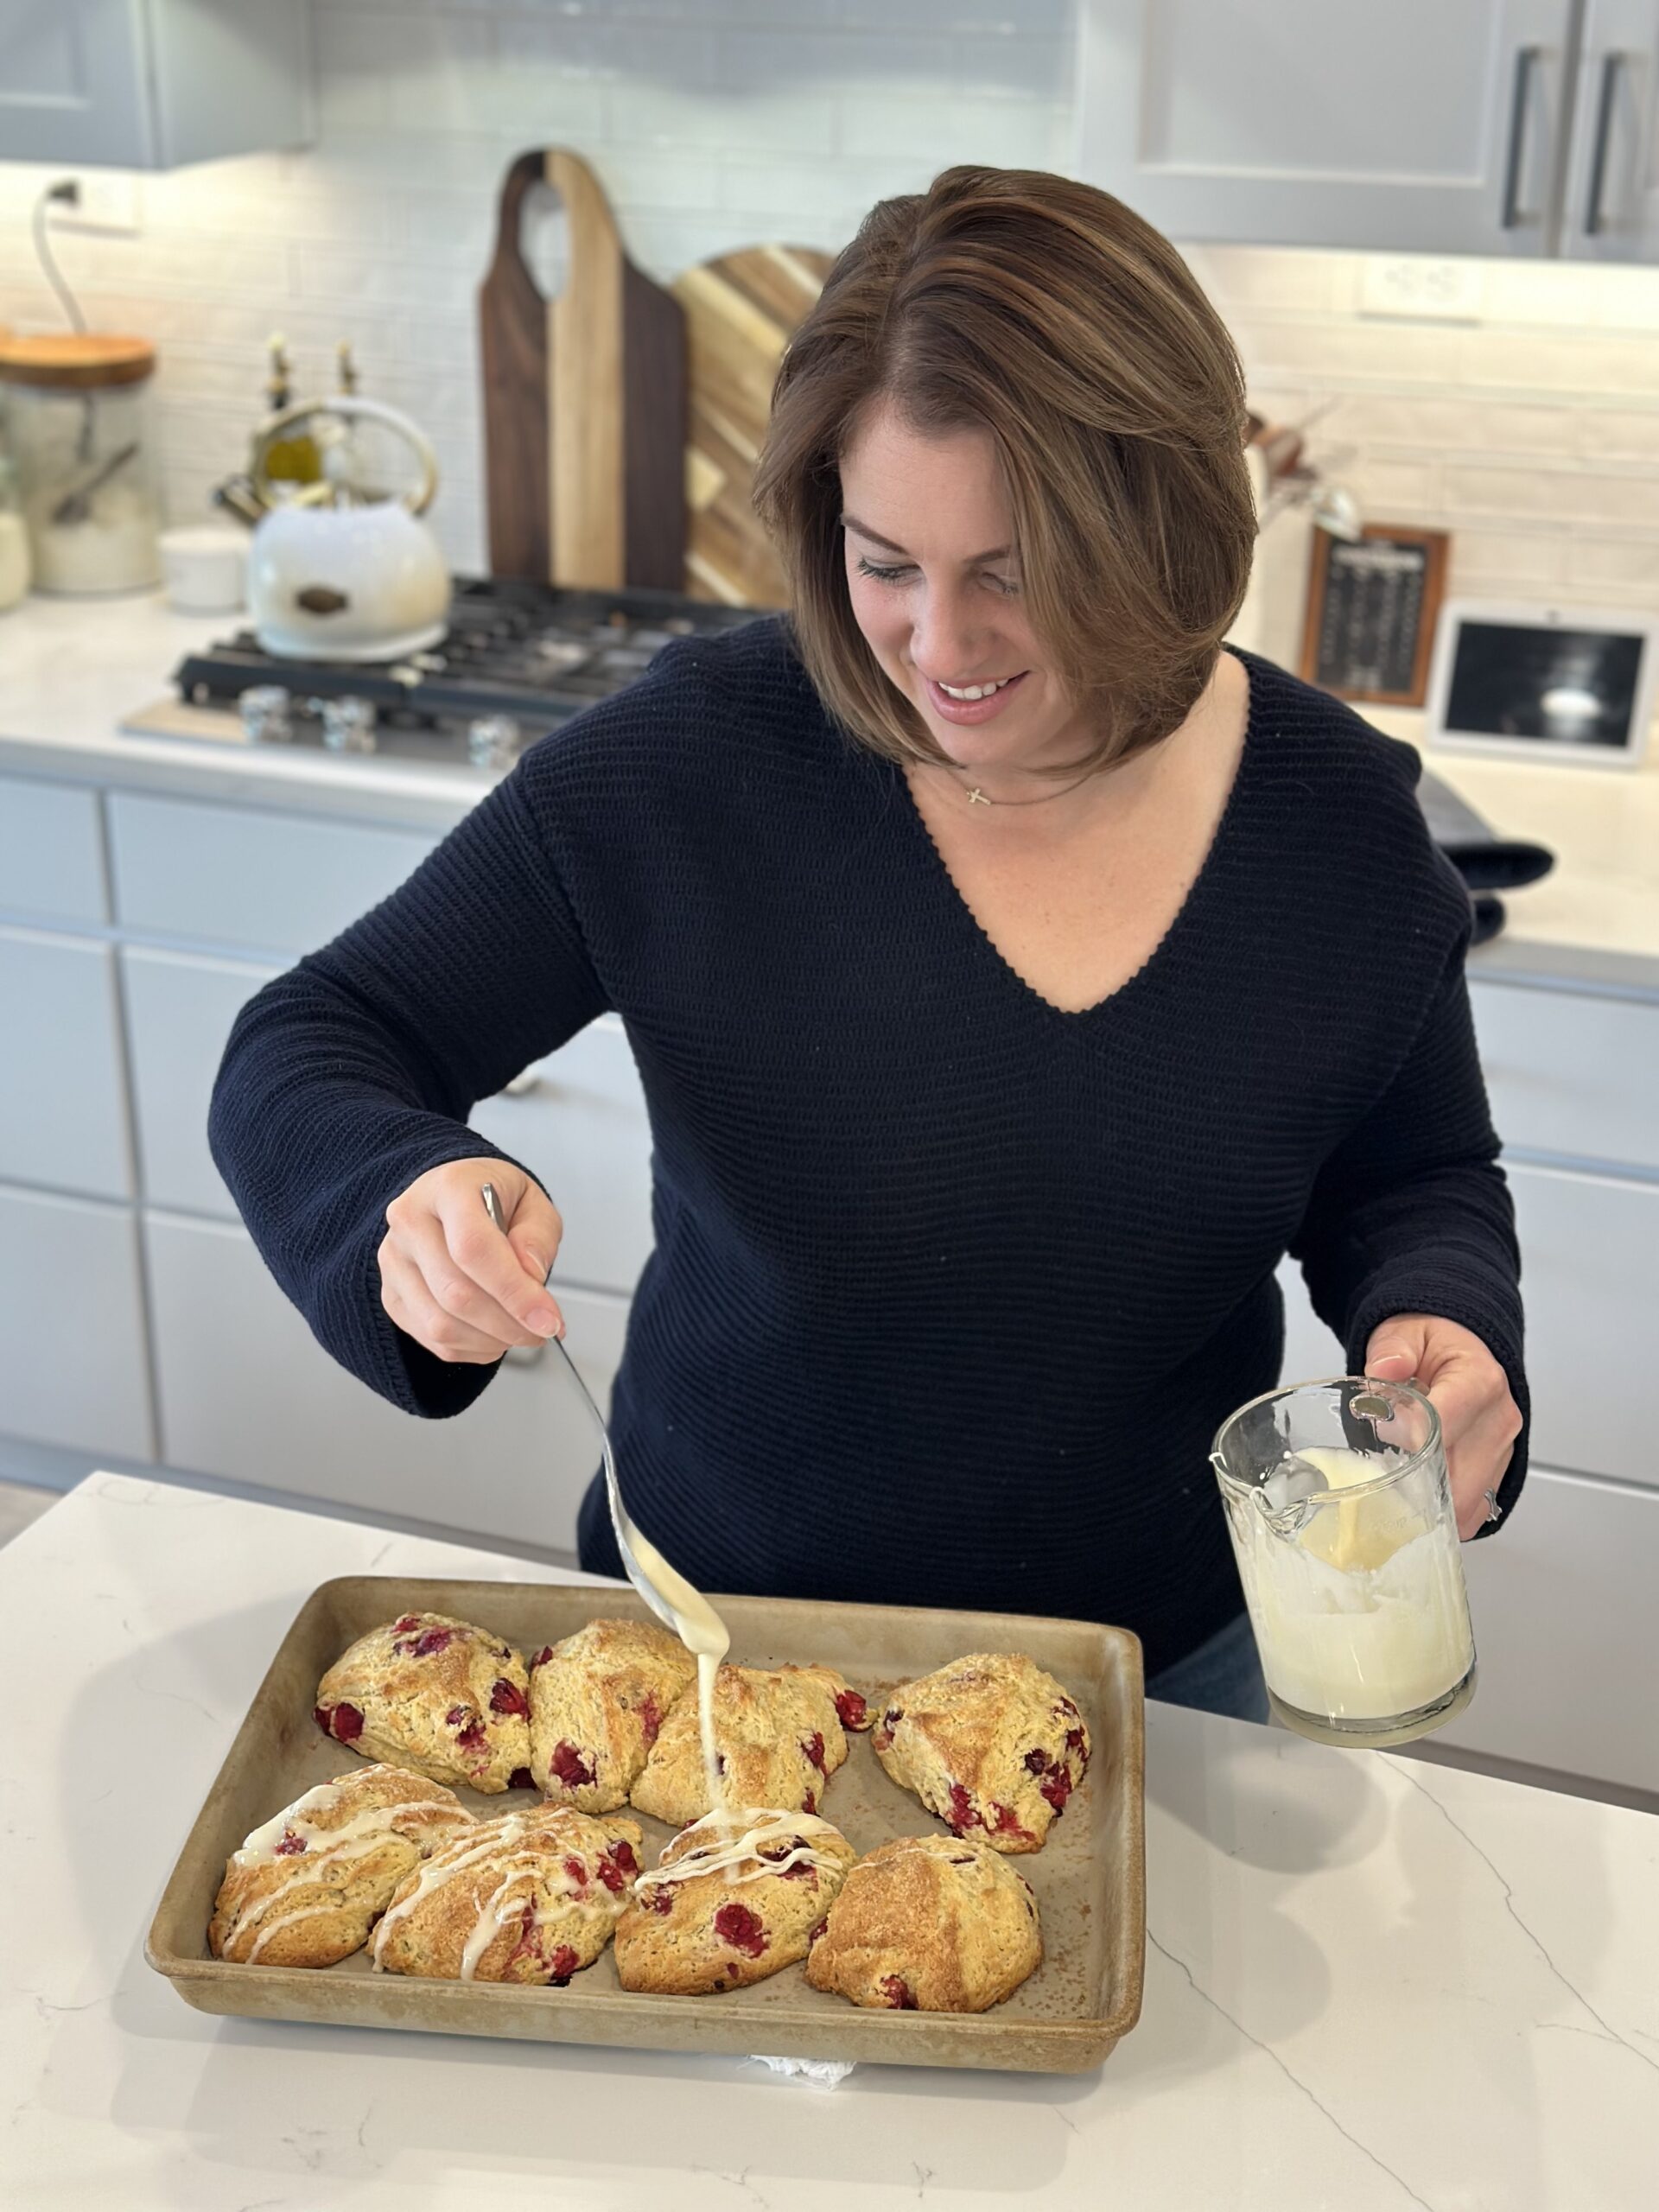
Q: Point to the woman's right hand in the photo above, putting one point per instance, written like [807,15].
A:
[449,1277]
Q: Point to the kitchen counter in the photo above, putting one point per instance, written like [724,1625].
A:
[1371,1983]
[71,669]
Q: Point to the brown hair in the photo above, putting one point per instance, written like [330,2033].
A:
[1050,315]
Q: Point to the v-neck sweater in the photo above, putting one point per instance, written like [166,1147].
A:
[950,1289]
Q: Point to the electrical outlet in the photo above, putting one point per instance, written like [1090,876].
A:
[1419,287]
[109,201]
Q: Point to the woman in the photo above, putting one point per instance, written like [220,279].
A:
[1014,975]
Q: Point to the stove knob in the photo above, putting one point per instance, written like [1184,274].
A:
[264,708]
[493,741]
[347,724]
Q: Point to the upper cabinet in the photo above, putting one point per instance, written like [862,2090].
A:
[1490,126]
[1611,209]
[153,84]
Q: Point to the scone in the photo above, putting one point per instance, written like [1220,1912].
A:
[305,1888]
[730,1904]
[778,1736]
[526,1897]
[990,1744]
[450,1700]
[933,1924]
[597,1704]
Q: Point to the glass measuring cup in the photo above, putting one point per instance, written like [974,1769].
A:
[1342,1524]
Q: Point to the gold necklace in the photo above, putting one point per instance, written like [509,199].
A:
[978,798]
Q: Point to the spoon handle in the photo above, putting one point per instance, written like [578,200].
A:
[620,1520]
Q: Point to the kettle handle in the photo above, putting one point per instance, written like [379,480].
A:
[375,411]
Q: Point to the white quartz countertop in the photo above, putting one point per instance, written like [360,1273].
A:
[1371,1983]
[71,670]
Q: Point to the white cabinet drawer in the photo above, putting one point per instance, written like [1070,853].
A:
[72,1369]
[1569,1072]
[180,1010]
[51,852]
[1590,1279]
[579,1126]
[1590,1287]
[246,1392]
[1563,1612]
[239,876]
[63,1108]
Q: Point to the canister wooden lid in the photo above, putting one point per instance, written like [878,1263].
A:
[74,360]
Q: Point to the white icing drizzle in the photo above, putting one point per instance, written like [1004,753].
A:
[532,1866]
[738,1854]
[354,1839]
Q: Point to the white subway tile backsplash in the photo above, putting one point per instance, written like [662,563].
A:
[1531,433]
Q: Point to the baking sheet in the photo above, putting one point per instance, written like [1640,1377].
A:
[1088,1878]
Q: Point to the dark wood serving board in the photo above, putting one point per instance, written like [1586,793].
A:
[584,400]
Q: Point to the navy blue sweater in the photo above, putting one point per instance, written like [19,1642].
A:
[950,1289]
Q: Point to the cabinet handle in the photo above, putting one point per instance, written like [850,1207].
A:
[1526,58]
[1593,220]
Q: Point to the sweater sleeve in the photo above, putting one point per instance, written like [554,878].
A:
[353,1073]
[1411,1214]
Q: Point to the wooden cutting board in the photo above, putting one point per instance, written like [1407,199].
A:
[584,400]
[740,309]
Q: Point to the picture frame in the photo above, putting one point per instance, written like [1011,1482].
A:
[1373,606]
[1521,681]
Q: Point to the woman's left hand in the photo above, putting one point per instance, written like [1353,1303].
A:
[1469,1390]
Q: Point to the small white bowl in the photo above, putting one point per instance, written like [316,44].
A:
[206,569]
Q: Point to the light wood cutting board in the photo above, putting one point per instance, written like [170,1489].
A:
[740,309]
[584,400]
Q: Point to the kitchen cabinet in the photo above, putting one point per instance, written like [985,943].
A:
[1496,127]
[63,1111]
[245,1391]
[241,876]
[51,853]
[180,1010]
[1561,1603]
[152,84]
[1612,211]
[72,1351]
[577,1120]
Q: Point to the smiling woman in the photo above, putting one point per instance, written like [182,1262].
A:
[1014,974]
[1049,325]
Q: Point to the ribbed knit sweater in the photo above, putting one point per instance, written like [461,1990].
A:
[950,1289]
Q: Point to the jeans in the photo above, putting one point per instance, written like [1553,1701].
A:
[1222,1675]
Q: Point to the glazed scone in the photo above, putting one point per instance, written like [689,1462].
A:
[450,1700]
[526,1897]
[777,1733]
[990,1744]
[733,1899]
[306,1885]
[597,1704]
[933,1924]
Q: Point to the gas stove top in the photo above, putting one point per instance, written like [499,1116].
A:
[517,659]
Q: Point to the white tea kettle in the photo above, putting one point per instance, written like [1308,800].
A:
[332,576]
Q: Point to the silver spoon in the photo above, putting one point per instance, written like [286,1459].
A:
[627,1534]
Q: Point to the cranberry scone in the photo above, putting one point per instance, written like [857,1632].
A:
[440,1696]
[990,1744]
[734,1899]
[597,1704]
[778,1737]
[929,1924]
[306,1885]
[526,1897]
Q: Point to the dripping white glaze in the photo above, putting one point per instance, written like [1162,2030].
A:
[523,1869]
[735,1836]
[705,1636]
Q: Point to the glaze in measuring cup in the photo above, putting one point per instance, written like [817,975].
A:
[1341,1518]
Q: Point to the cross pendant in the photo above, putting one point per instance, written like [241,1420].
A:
[976,797]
